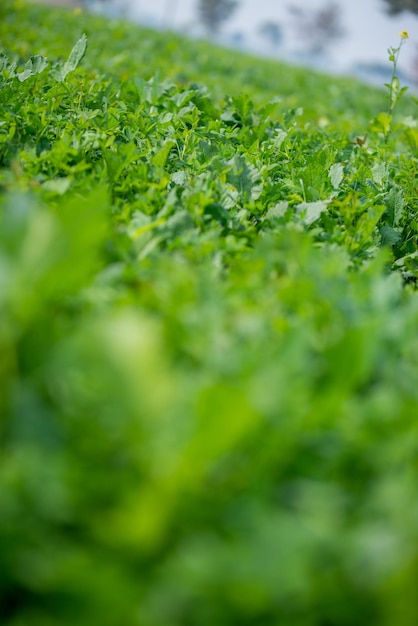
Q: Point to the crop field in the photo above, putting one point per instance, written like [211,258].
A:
[208,334]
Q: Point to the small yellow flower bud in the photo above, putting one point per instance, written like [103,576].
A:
[404,34]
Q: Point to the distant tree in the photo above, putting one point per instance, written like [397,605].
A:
[398,6]
[212,13]
[238,39]
[318,28]
[272,32]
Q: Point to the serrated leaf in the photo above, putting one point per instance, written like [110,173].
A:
[380,173]
[312,211]
[39,63]
[278,210]
[7,67]
[244,176]
[336,173]
[180,177]
[390,236]
[76,54]
[279,138]
[35,65]
[229,197]
[27,72]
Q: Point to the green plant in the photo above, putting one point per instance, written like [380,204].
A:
[207,336]
[394,88]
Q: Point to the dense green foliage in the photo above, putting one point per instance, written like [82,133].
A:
[208,346]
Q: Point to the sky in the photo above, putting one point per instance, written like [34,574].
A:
[369,31]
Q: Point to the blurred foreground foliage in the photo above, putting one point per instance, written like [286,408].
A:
[208,346]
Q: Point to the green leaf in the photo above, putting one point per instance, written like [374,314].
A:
[160,159]
[76,55]
[244,176]
[312,211]
[180,177]
[336,173]
[35,65]
[395,86]
[390,236]
[381,123]
[278,210]
[394,201]
[380,173]
[57,185]
[4,61]
[279,138]
[39,63]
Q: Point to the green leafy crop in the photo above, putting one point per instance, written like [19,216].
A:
[208,347]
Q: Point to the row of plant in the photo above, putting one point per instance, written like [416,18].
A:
[207,334]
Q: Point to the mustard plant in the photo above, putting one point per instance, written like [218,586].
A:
[394,86]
